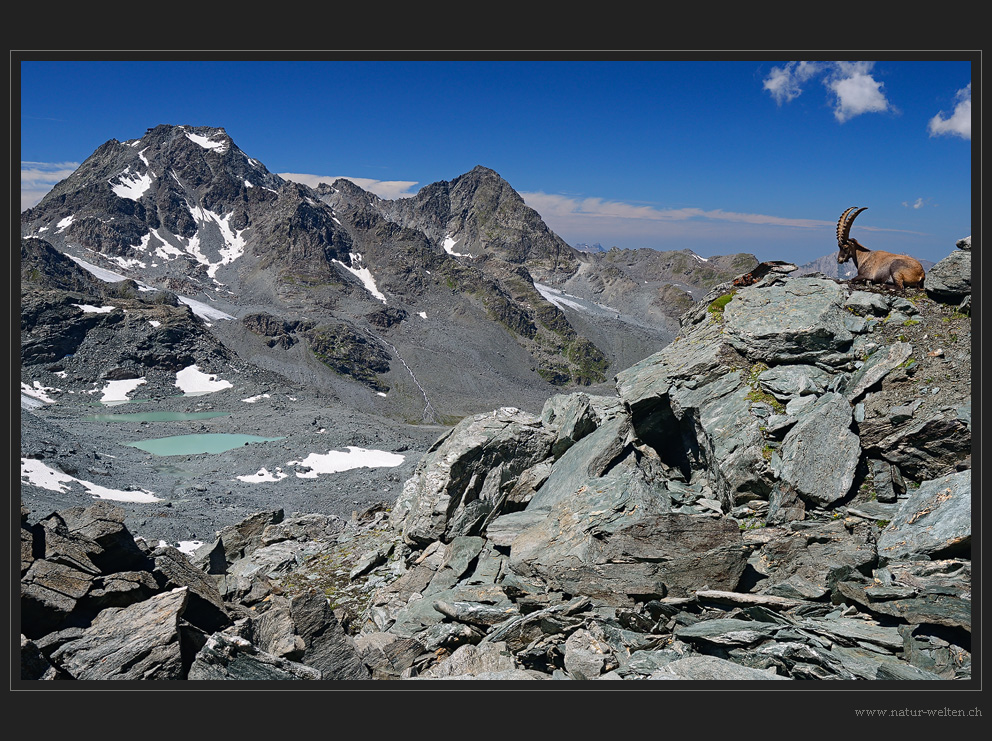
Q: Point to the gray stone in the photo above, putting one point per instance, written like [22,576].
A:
[138,642]
[573,416]
[206,608]
[728,441]
[610,550]
[484,659]
[934,520]
[327,647]
[800,321]
[235,542]
[930,446]
[801,563]
[875,368]
[865,302]
[821,442]
[34,665]
[726,632]
[787,381]
[866,664]
[49,595]
[465,476]
[587,656]
[584,461]
[228,657]
[712,668]
[949,281]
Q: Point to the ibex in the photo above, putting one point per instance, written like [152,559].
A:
[875,266]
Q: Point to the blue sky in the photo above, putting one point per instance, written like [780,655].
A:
[719,156]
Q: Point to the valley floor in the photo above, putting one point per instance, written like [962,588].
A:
[327,460]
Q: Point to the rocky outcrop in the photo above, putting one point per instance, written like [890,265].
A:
[949,280]
[98,604]
[723,517]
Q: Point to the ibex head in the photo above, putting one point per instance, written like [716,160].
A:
[845,244]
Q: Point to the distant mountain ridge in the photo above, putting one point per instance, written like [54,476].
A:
[374,291]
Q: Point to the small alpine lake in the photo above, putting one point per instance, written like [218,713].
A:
[154,416]
[197,444]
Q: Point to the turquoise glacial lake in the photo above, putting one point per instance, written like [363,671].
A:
[196,444]
[154,416]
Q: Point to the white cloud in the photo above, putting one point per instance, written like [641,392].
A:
[785,83]
[959,123]
[918,203]
[37,178]
[628,225]
[559,207]
[851,84]
[388,189]
[856,90]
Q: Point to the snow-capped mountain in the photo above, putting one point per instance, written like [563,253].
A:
[431,305]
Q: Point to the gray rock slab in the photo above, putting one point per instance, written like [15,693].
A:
[928,446]
[463,476]
[696,355]
[227,657]
[875,368]
[603,546]
[871,665]
[949,280]
[798,321]
[484,659]
[583,461]
[934,519]
[726,632]
[786,381]
[712,668]
[138,642]
[327,647]
[821,442]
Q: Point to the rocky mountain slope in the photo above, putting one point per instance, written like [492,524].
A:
[336,288]
[782,493]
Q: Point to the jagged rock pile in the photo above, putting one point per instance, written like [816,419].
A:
[784,492]
[98,604]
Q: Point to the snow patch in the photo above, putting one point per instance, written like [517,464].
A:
[37,473]
[449,245]
[194,382]
[90,309]
[263,475]
[115,392]
[363,274]
[336,461]
[131,185]
[234,243]
[208,143]
[202,310]
[37,393]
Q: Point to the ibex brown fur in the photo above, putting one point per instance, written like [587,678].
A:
[875,266]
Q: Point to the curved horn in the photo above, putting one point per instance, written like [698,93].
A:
[843,227]
[850,222]
[844,232]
